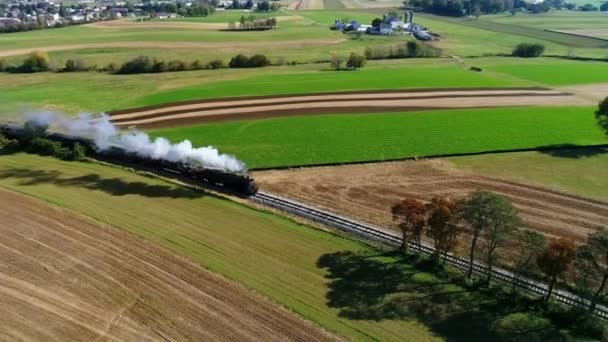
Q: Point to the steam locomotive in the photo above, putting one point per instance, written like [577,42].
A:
[235,182]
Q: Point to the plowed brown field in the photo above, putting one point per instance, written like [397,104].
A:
[367,191]
[65,278]
[351,102]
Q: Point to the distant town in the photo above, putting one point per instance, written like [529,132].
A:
[31,15]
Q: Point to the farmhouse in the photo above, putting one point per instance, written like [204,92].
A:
[388,25]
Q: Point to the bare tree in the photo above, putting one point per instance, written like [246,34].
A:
[410,216]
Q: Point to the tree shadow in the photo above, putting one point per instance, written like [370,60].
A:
[387,287]
[572,151]
[112,186]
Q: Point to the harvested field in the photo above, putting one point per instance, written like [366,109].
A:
[174,45]
[357,102]
[66,278]
[588,32]
[367,191]
[596,92]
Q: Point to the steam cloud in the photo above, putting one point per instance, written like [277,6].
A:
[105,135]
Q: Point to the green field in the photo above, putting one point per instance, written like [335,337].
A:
[230,15]
[325,139]
[102,92]
[425,74]
[347,287]
[554,20]
[578,171]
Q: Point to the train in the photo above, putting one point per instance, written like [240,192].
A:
[239,183]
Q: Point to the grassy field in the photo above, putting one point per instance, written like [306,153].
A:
[230,15]
[362,137]
[579,171]
[551,72]
[101,92]
[554,20]
[325,278]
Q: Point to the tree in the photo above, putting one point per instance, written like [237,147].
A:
[528,50]
[556,260]
[263,6]
[441,228]
[530,245]
[376,22]
[592,265]
[602,114]
[355,61]
[410,216]
[588,8]
[238,61]
[36,61]
[504,222]
[604,7]
[336,62]
[479,211]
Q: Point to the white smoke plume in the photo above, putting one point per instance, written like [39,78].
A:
[105,135]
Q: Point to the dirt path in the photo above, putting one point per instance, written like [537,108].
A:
[367,191]
[173,45]
[263,107]
[64,278]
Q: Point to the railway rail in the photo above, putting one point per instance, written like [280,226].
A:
[380,235]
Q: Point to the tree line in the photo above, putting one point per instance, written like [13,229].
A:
[459,8]
[488,220]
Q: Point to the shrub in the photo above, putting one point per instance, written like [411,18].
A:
[602,114]
[336,62]
[215,64]
[79,152]
[528,50]
[37,61]
[238,61]
[44,147]
[3,64]
[158,65]
[355,61]
[112,68]
[177,65]
[522,327]
[75,65]
[196,65]
[137,65]
[258,61]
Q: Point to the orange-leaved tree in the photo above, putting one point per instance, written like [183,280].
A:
[410,216]
[556,260]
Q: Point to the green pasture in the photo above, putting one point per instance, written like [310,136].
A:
[578,171]
[307,140]
[230,15]
[351,289]
[554,20]
[547,71]
[92,91]
[442,74]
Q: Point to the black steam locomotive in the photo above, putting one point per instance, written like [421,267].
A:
[236,182]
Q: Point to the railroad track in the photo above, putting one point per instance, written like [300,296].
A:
[388,238]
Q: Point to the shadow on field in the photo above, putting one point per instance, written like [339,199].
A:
[572,151]
[112,186]
[385,287]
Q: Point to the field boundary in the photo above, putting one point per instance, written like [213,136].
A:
[447,155]
[350,92]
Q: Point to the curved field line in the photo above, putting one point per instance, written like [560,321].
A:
[339,103]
